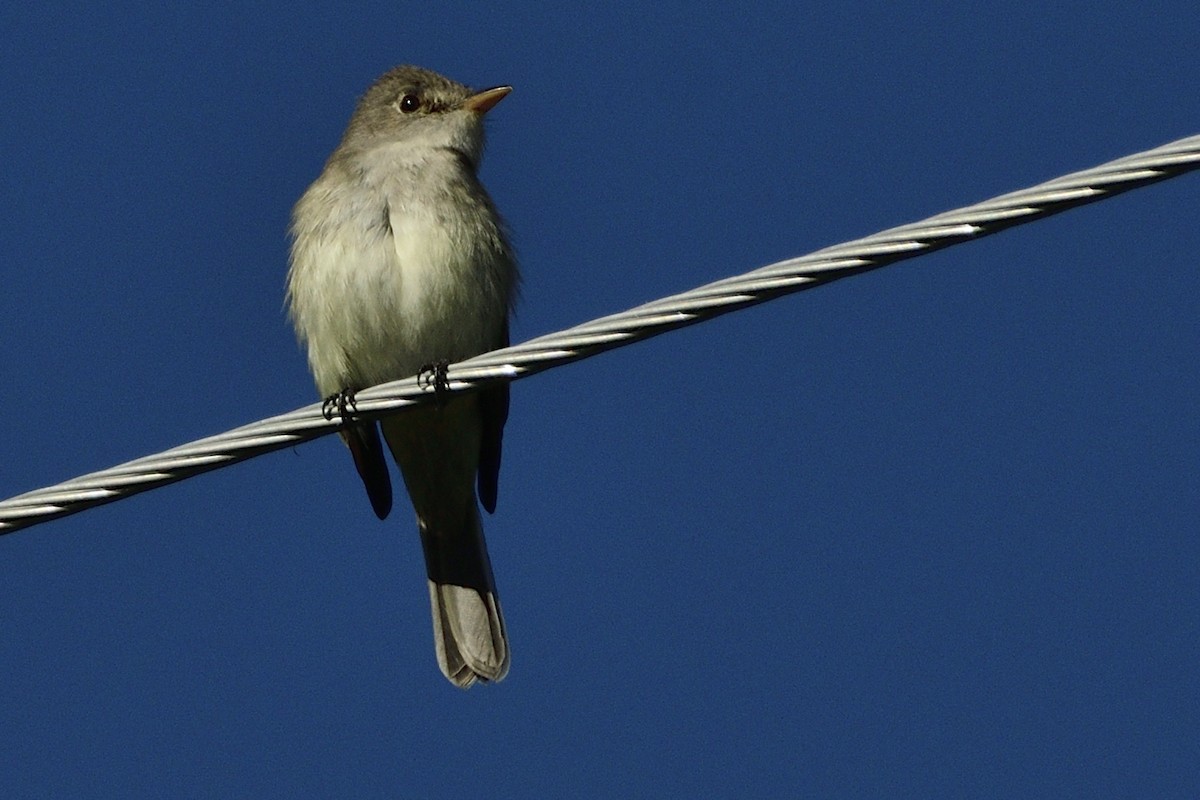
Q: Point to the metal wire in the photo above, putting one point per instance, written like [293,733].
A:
[616,330]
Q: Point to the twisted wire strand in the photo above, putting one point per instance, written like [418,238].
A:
[616,330]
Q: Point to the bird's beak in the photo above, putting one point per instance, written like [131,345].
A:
[482,102]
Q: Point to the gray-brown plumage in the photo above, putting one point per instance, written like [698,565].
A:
[399,260]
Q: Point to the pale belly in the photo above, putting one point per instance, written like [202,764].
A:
[383,311]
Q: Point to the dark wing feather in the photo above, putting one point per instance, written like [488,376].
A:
[493,406]
[372,468]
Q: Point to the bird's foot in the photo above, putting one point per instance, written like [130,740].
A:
[340,403]
[435,375]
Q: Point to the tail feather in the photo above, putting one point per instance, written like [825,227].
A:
[438,453]
[468,634]
[468,625]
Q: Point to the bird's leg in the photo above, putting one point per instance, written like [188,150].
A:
[435,374]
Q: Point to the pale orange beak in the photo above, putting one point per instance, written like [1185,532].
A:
[482,102]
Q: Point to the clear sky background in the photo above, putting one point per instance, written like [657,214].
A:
[926,532]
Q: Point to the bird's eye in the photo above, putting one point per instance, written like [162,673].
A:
[409,103]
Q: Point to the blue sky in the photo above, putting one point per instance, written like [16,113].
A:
[926,532]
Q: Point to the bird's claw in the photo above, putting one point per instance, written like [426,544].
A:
[435,375]
[340,403]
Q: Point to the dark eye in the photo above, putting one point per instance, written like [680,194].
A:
[409,103]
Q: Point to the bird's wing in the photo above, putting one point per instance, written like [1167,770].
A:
[372,468]
[493,407]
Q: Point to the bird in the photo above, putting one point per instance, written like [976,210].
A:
[399,262]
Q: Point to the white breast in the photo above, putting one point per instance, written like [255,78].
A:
[382,284]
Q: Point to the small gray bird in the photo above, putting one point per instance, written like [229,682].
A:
[399,261]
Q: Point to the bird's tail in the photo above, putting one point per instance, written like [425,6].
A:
[468,627]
